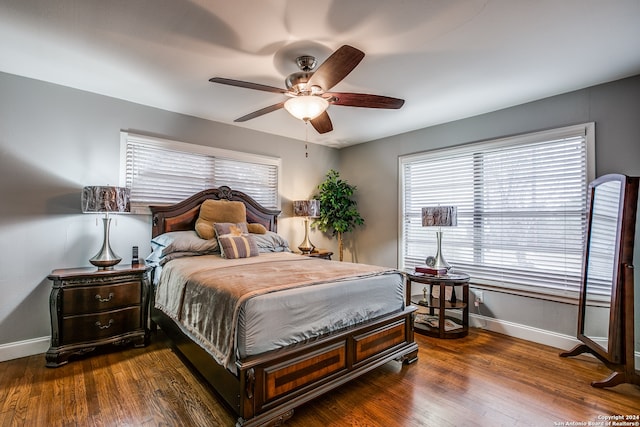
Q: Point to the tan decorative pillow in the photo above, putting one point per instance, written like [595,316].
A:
[235,241]
[213,211]
[256,228]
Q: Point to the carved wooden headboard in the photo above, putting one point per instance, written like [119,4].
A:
[183,215]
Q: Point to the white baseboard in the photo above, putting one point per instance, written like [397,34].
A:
[540,336]
[25,348]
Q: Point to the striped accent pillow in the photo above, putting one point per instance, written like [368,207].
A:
[238,246]
[235,241]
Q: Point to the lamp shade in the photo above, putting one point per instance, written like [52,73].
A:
[307,208]
[440,216]
[306,107]
[105,199]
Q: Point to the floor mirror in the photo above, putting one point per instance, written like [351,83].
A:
[606,307]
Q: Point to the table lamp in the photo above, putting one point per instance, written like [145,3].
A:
[439,216]
[105,199]
[307,209]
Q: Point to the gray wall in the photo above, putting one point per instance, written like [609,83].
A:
[373,168]
[55,140]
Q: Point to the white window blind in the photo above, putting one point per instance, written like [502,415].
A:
[160,171]
[521,208]
[260,181]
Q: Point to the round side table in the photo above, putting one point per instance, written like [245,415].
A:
[437,315]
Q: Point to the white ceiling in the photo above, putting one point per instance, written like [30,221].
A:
[448,59]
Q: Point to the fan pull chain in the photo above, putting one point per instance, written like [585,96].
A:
[306,139]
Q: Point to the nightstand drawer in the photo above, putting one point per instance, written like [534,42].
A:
[95,326]
[100,298]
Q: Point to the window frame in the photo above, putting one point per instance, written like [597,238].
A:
[587,129]
[189,148]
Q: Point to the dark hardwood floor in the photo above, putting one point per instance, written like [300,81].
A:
[485,379]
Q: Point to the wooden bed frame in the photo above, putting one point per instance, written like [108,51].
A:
[267,387]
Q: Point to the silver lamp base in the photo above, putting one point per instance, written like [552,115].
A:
[438,262]
[306,247]
[105,259]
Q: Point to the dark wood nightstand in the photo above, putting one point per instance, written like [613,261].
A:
[320,253]
[433,317]
[91,308]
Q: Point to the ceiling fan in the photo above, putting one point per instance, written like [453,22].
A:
[308,90]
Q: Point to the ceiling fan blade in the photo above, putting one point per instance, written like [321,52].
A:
[322,123]
[364,100]
[247,85]
[336,67]
[260,112]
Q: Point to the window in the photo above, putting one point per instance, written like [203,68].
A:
[160,171]
[521,208]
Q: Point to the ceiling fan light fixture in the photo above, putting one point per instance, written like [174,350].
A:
[306,107]
[308,90]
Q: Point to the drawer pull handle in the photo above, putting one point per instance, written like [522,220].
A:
[99,298]
[101,326]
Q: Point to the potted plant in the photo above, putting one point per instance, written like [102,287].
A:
[338,211]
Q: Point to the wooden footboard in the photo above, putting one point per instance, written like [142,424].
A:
[268,387]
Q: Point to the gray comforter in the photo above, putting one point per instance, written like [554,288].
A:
[204,294]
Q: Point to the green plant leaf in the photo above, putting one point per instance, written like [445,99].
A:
[338,211]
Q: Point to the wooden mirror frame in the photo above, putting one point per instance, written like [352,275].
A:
[619,354]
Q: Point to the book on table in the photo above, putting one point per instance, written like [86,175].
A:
[425,269]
